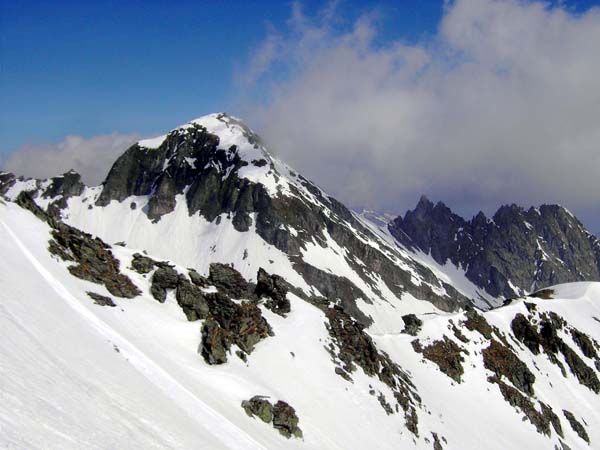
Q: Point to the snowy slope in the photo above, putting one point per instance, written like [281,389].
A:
[63,376]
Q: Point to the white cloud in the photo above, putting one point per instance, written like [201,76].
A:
[91,157]
[502,105]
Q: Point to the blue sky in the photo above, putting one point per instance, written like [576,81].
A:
[474,102]
[88,68]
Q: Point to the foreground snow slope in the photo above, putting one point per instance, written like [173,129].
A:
[78,375]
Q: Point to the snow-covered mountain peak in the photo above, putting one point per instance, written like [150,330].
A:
[229,129]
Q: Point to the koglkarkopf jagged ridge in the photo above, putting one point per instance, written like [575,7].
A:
[516,252]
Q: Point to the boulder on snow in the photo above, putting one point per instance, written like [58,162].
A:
[275,288]
[260,407]
[281,415]
[412,324]
[142,264]
[164,278]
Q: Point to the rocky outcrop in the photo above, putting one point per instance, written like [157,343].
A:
[541,420]
[354,348]
[163,279]
[192,300]
[501,360]
[92,258]
[412,324]
[101,300]
[446,354]
[260,407]
[281,415]
[275,289]
[544,337]
[517,251]
[7,179]
[576,426]
[239,324]
[230,281]
[142,264]
[285,420]
[67,185]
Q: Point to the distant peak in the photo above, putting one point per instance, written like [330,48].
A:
[424,203]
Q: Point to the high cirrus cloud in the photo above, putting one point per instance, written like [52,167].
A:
[501,105]
[91,157]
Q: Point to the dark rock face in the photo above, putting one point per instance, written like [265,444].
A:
[94,259]
[504,363]
[230,281]
[546,338]
[529,248]
[576,426]
[67,185]
[275,288]
[197,279]
[230,323]
[142,171]
[526,333]
[446,354]
[7,179]
[216,342]
[282,416]
[476,322]
[62,188]
[541,420]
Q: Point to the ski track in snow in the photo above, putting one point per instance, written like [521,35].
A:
[232,436]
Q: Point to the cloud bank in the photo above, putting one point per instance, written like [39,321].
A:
[91,157]
[502,105]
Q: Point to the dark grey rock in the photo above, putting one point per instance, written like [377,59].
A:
[260,407]
[576,426]
[198,279]
[230,281]
[412,324]
[230,323]
[142,264]
[275,288]
[67,185]
[7,180]
[192,300]
[101,300]
[215,342]
[285,420]
[531,248]
[164,278]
